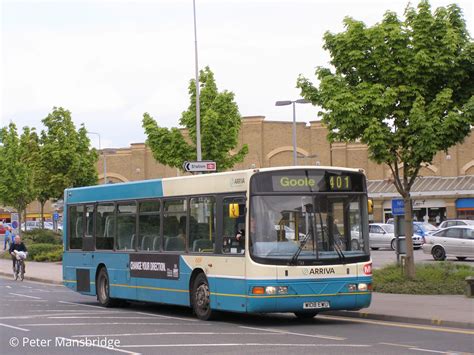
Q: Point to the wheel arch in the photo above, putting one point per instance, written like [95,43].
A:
[194,274]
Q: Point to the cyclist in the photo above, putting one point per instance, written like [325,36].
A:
[17,246]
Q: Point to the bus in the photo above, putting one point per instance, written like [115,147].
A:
[288,239]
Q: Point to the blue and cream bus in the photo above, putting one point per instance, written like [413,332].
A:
[261,240]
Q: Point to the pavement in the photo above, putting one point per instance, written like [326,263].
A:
[444,310]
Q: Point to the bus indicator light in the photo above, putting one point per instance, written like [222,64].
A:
[258,290]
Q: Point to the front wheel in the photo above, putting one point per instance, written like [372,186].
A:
[201,298]
[438,253]
[305,315]
[393,244]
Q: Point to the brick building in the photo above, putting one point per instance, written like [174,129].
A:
[444,190]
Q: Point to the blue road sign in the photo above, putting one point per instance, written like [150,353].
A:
[55,216]
[398,207]
[14,224]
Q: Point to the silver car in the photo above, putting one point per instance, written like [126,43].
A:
[455,241]
[382,235]
[455,222]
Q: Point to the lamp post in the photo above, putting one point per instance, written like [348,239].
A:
[104,161]
[286,103]
[198,109]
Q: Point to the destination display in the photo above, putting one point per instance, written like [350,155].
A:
[154,266]
[308,181]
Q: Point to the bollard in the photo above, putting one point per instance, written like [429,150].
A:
[470,286]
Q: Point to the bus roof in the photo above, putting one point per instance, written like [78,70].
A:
[225,182]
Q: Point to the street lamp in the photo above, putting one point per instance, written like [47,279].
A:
[286,103]
[104,161]
[198,108]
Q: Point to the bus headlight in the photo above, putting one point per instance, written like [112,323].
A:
[363,287]
[270,290]
[282,290]
[352,287]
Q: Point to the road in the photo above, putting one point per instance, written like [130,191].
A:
[384,257]
[49,319]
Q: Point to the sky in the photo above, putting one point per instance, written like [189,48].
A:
[110,61]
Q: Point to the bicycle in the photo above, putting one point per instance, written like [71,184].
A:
[19,268]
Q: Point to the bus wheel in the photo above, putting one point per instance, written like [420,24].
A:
[201,298]
[305,315]
[103,289]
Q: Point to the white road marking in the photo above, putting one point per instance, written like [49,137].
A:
[52,315]
[74,317]
[401,345]
[170,333]
[112,323]
[400,325]
[105,347]
[245,344]
[11,326]
[320,336]
[171,317]
[80,304]
[20,295]
[429,351]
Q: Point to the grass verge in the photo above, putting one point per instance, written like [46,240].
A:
[441,278]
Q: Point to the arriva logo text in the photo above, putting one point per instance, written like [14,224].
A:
[319,271]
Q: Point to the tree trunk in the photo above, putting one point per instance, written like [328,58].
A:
[42,203]
[409,261]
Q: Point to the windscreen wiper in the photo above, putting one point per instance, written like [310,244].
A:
[339,252]
[294,259]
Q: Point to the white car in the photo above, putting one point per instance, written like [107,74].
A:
[455,241]
[456,222]
[383,236]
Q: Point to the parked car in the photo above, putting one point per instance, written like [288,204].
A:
[455,222]
[30,225]
[382,235]
[455,241]
[424,229]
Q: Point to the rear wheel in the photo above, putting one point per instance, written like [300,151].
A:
[306,315]
[438,253]
[461,258]
[201,298]
[103,289]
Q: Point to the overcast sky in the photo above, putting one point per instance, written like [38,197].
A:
[109,61]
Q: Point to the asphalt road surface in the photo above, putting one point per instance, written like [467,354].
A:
[49,319]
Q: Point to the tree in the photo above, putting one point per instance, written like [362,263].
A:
[402,87]
[220,125]
[18,153]
[65,158]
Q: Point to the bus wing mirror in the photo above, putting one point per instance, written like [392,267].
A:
[234,210]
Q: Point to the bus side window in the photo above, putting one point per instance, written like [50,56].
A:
[233,225]
[174,225]
[202,224]
[105,226]
[126,226]
[76,226]
[149,226]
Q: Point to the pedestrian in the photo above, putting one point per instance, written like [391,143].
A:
[8,238]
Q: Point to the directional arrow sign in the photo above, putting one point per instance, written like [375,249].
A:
[199,166]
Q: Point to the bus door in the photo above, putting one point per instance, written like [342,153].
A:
[231,280]
[88,244]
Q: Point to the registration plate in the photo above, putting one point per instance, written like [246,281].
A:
[316,305]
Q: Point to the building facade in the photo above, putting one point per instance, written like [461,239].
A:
[445,188]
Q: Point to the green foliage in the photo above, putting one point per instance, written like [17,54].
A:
[66,159]
[220,125]
[17,173]
[441,278]
[403,87]
[45,252]
[42,236]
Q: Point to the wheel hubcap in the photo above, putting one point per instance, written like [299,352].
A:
[202,298]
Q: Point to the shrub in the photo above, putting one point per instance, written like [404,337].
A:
[56,255]
[442,278]
[42,236]
[38,251]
